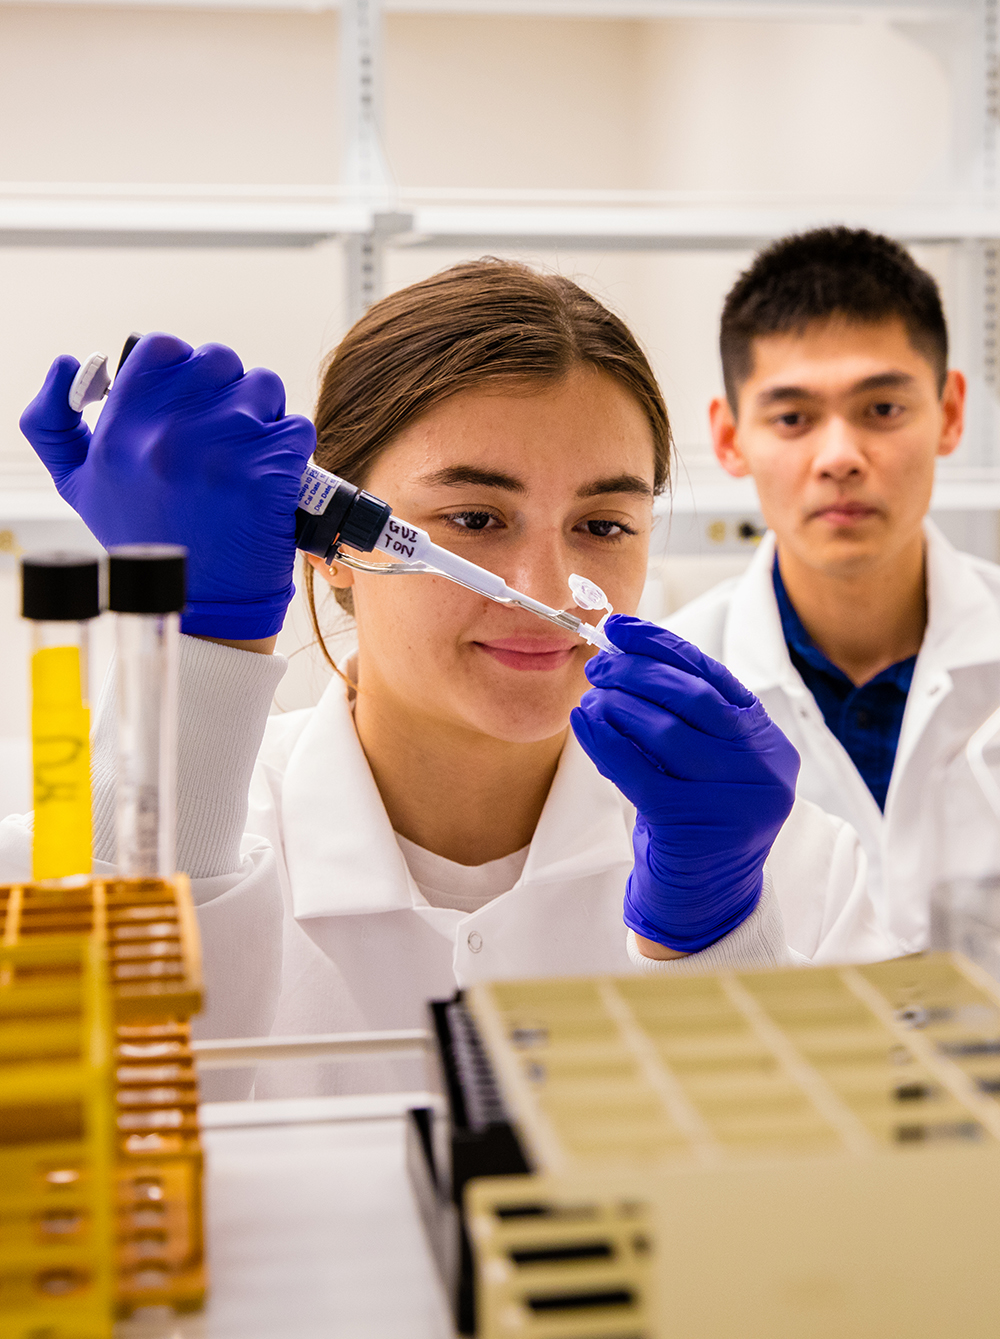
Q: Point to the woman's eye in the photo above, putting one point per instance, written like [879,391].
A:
[471,520]
[607,529]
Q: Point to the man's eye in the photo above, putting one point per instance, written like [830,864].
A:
[471,520]
[791,420]
[885,410]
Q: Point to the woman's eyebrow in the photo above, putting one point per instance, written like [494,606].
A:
[457,476]
[616,483]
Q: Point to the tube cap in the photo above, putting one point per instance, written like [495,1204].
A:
[60,587]
[146,578]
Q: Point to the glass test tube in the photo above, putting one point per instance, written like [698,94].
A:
[146,594]
[60,595]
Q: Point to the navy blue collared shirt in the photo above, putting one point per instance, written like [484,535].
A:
[866,720]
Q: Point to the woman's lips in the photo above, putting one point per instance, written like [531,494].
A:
[526,653]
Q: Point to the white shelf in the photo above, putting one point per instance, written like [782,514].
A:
[116,214]
[707,492]
[827,11]
[661,228]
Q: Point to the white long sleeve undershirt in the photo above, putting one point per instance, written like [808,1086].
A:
[224,699]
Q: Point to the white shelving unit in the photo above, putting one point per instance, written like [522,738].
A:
[368,213]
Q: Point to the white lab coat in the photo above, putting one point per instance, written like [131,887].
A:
[320,926]
[362,949]
[937,823]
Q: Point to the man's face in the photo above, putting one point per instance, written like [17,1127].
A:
[840,427]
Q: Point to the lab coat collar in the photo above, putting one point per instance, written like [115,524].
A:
[963,630]
[341,852]
[585,826]
[346,860]
[963,622]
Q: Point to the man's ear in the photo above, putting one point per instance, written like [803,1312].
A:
[953,413]
[724,444]
[337,574]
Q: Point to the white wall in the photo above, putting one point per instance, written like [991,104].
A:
[854,110]
[851,110]
[149,94]
[191,96]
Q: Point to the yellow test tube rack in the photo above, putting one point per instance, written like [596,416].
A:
[142,927]
[765,1154]
[56,1141]
[147,933]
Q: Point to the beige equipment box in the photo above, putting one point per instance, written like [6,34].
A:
[790,1154]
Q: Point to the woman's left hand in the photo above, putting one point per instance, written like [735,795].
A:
[710,774]
[189,449]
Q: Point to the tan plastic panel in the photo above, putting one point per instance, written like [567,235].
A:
[764,1154]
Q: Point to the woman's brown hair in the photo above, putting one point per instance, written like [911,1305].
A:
[474,325]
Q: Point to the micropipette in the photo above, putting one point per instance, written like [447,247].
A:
[333,512]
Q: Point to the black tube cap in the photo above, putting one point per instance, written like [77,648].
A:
[146,578]
[60,587]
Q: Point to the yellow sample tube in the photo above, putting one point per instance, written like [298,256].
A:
[60,597]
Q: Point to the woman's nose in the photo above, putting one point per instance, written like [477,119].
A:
[541,568]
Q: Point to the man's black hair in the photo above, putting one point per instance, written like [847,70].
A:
[850,273]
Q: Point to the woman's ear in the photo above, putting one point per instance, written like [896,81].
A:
[337,575]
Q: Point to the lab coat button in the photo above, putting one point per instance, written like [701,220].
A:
[475,941]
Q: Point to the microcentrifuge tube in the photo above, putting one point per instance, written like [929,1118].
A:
[587,594]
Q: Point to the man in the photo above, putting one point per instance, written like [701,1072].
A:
[872,642]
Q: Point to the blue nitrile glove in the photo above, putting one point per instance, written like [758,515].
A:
[710,774]
[188,450]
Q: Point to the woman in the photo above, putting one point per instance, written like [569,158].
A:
[434,821]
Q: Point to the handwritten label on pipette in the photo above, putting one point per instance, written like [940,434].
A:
[398,538]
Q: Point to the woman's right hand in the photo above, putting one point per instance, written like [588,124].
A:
[710,774]
[189,449]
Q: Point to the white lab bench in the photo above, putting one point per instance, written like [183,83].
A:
[313,1232]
